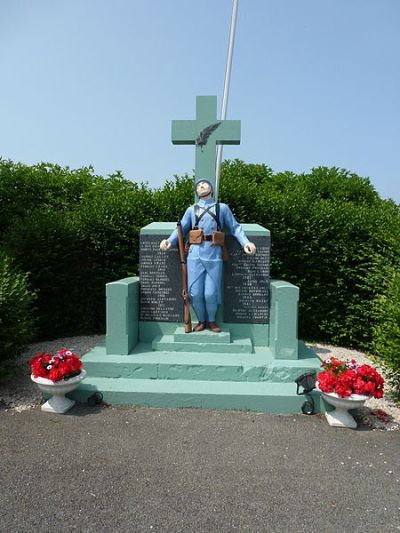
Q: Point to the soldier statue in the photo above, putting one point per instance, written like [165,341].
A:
[205,222]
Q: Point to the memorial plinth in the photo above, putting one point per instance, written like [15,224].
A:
[149,360]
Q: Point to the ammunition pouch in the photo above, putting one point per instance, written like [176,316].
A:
[195,236]
[218,238]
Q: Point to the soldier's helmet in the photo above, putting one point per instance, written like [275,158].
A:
[203,181]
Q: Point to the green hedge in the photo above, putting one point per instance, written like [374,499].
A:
[16,316]
[48,244]
[23,189]
[331,235]
[386,332]
[74,231]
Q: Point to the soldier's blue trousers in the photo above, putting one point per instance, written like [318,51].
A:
[204,297]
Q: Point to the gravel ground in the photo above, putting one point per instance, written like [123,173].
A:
[20,393]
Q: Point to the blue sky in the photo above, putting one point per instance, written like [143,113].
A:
[314,82]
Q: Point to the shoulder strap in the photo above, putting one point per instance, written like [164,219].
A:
[204,211]
[196,215]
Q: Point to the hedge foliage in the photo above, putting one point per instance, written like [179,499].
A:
[332,235]
[386,332]
[16,312]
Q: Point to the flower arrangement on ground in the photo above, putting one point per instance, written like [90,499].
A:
[347,377]
[62,365]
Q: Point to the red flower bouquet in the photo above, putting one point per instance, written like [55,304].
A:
[347,378]
[60,366]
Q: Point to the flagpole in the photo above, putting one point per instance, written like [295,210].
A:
[226,91]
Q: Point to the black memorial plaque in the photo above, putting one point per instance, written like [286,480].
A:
[160,281]
[245,286]
[246,282]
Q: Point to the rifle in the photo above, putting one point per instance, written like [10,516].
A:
[186,301]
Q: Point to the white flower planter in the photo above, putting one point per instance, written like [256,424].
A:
[58,403]
[340,417]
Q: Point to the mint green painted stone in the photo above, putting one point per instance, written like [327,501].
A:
[156,363]
[257,333]
[187,131]
[122,315]
[263,397]
[205,336]
[167,343]
[158,228]
[144,363]
[195,374]
[284,298]
[166,228]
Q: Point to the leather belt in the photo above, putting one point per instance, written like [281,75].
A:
[207,237]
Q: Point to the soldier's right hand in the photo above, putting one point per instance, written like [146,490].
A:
[165,245]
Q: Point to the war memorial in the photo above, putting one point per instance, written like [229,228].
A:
[148,359]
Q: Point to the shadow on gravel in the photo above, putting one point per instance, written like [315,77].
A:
[83,409]
[319,350]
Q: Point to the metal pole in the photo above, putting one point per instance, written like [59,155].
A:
[226,91]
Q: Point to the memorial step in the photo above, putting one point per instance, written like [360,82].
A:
[202,336]
[144,363]
[279,398]
[167,343]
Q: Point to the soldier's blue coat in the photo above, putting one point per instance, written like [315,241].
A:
[205,257]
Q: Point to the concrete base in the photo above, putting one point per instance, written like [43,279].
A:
[224,380]
[246,366]
[263,397]
[340,418]
[55,392]
[58,405]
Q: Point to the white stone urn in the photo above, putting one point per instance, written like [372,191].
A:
[340,417]
[58,403]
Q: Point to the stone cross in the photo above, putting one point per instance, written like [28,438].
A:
[206,132]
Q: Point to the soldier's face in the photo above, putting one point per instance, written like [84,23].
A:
[203,189]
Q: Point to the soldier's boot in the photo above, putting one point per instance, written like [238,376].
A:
[213,326]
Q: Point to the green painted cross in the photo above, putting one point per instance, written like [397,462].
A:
[206,132]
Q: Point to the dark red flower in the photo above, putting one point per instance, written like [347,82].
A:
[63,365]
[348,378]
